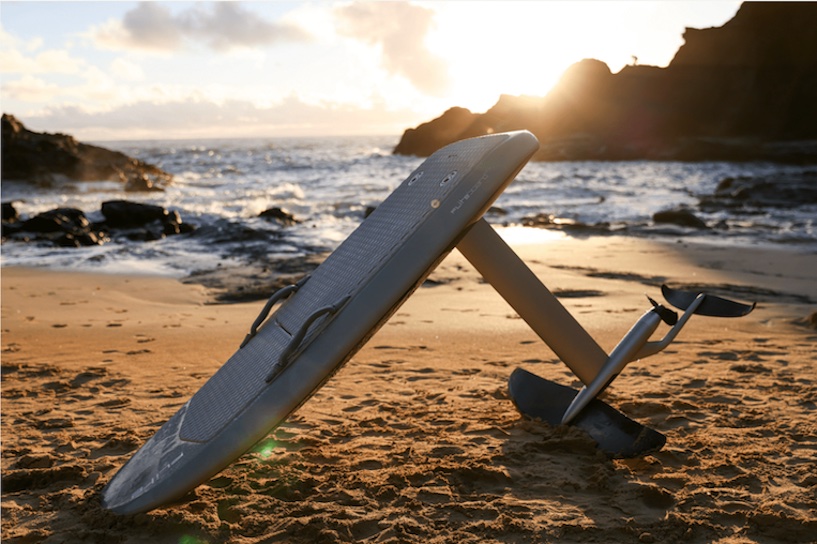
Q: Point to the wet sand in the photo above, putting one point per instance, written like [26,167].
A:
[415,440]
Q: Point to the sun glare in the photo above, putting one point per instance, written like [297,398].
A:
[523,48]
[519,48]
[476,54]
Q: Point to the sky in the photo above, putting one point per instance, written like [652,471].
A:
[154,70]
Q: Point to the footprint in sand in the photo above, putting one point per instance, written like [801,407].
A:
[13,347]
[88,375]
[360,405]
[30,479]
[119,402]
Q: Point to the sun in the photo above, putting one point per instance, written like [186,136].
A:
[523,48]
[494,48]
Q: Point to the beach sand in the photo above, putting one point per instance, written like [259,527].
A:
[415,440]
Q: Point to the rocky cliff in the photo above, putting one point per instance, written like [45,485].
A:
[46,159]
[742,91]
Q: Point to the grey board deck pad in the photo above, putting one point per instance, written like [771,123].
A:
[367,277]
[616,434]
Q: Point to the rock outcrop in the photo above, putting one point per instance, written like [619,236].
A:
[429,137]
[46,159]
[70,227]
[742,91]
[280,216]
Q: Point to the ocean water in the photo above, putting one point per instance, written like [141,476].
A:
[221,186]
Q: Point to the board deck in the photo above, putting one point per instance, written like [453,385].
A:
[344,302]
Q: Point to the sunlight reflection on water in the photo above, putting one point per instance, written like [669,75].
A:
[518,235]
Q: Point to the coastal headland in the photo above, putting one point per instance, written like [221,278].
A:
[742,91]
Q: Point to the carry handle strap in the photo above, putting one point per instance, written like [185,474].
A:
[299,336]
[280,294]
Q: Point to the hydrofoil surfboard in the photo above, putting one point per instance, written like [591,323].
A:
[321,322]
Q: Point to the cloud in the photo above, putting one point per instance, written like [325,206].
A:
[197,118]
[151,25]
[399,28]
[234,118]
[30,88]
[97,87]
[50,61]
[229,25]
[221,26]
[12,41]
[126,70]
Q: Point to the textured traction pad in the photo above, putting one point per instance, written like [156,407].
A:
[343,273]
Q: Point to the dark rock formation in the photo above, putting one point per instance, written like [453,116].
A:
[47,158]
[782,190]
[56,220]
[429,137]
[126,214]
[742,91]
[278,215]
[66,227]
[146,221]
[681,217]
[69,227]
[10,214]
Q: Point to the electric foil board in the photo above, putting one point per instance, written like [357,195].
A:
[323,322]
